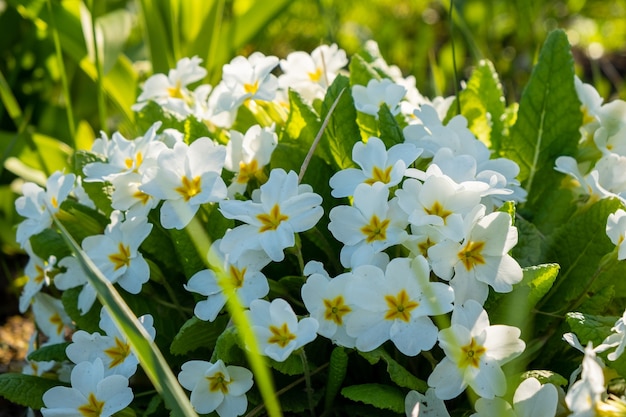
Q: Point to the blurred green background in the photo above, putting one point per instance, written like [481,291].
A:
[55,98]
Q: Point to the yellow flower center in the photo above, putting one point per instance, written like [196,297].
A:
[587,117]
[41,274]
[236,276]
[129,162]
[438,210]
[315,76]
[400,306]
[271,220]
[424,246]
[251,88]
[380,175]
[93,408]
[54,202]
[281,335]
[376,229]
[176,91]
[118,353]
[218,382]
[57,321]
[189,188]
[471,354]
[142,197]
[336,309]
[471,254]
[247,171]
[122,258]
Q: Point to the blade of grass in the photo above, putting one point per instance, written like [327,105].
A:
[151,359]
[99,73]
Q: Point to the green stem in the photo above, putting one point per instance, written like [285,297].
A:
[99,76]
[66,89]
[454,77]
[307,381]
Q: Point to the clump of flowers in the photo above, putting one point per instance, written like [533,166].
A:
[314,205]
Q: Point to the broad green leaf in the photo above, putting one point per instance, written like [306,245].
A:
[337,370]
[397,372]
[81,221]
[482,103]
[191,128]
[546,377]
[290,366]
[26,390]
[150,358]
[390,130]
[90,321]
[598,300]
[198,334]
[548,118]
[228,347]
[57,155]
[590,328]
[368,125]
[49,243]
[342,131]
[531,244]
[302,124]
[361,72]
[54,352]
[186,252]
[580,247]
[380,396]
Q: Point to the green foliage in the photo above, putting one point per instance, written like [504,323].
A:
[25,390]
[381,396]
[337,370]
[389,128]
[197,334]
[590,328]
[548,119]
[397,372]
[54,352]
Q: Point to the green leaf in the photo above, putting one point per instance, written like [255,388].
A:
[548,118]
[54,352]
[302,123]
[191,128]
[26,390]
[90,321]
[380,396]
[290,366]
[397,372]
[546,377]
[531,244]
[390,130]
[337,370]
[361,72]
[49,243]
[197,334]
[342,131]
[186,252]
[227,347]
[590,328]
[509,207]
[482,104]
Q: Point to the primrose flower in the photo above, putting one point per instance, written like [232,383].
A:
[481,259]
[371,221]
[378,92]
[277,328]
[618,338]
[377,164]
[170,91]
[112,347]
[591,103]
[247,155]
[616,231]
[278,210]
[250,78]
[475,352]
[531,399]
[395,305]
[186,177]
[311,74]
[37,271]
[51,318]
[417,404]
[244,274]
[584,396]
[39,205]
[115,253]
[326,301]
[216,387]
[91,393]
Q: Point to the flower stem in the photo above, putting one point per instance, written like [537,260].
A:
[307,381]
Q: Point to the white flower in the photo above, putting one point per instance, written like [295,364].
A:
[311,74]
[591,101]
[475,352]
[171,91]
[531,399]
[481,259]
[417,404]
[616,231]
[618,338]
[38,206]
[37,272]
[216,387]
[280,209]
[371,221]
[247,155]
[50,317]
[91,394]
[245,276]
[250,78]
[377,164]
[326,301]
[378,92]
[585,394]
[395,305]
[112,348]
[277,329]
[186,177]
[115,253]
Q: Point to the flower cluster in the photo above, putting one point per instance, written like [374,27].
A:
[400,248]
